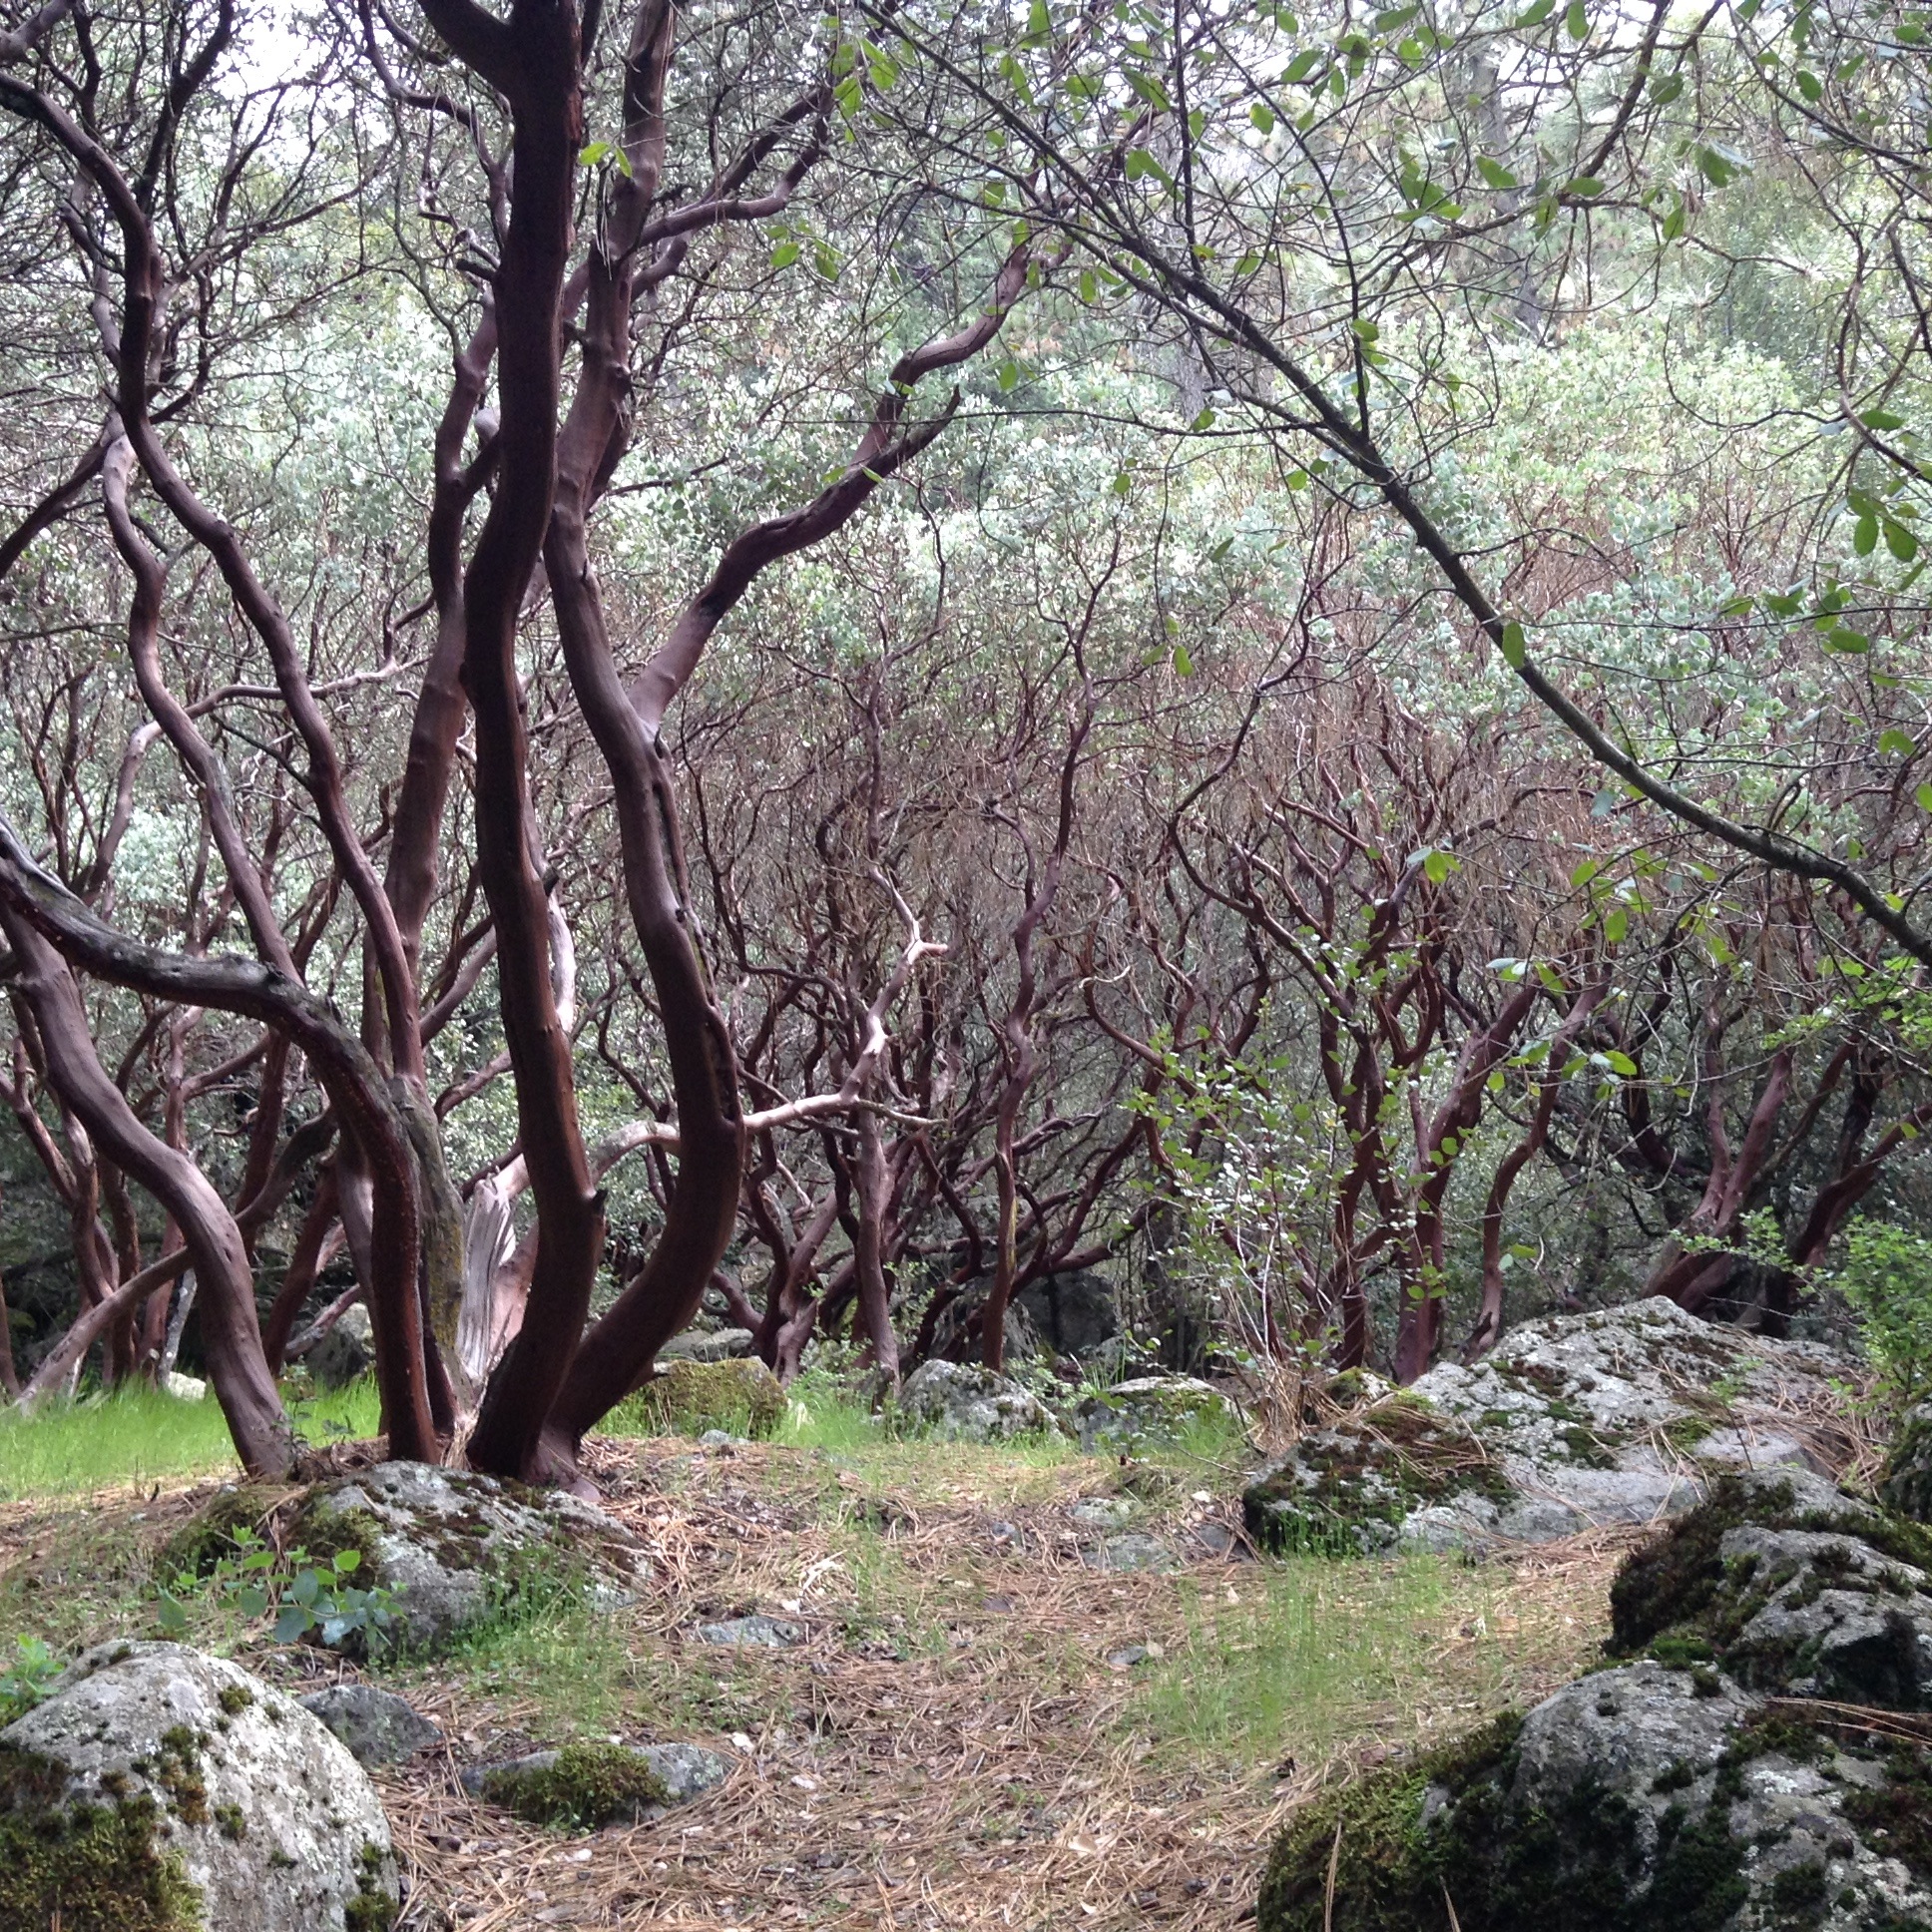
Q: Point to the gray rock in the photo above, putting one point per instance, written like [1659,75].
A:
[455,1546]
[677,1774]
[719,1440]
[1132,1552]
[957,1334]
[236,1790]
[1150,1410]
[185,1388]
[1127,1657]
[1102,1512]
[1622,1416]
[346,1353]
[708,1345]
[1075,1313]
[377,1727]
[962,1404]
[751,1634]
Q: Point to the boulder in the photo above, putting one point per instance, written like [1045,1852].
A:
[456,1546]
[693,1398]
[377,1727]
[958,1333]
[1620,1415]
[962,1404]
[1907,1487]
[590,1784]
[345,1353]
[1739,1773]
[1074,1313]
[708,1345]
[183,1388]
[154,1789]
[1151,1410]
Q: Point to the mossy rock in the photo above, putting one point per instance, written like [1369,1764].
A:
[215,1530]
[685,1398]
[1696,1579]
[587,1784]
[154,1789]
[1637,1799]
[1152,1411]
[1353,1489]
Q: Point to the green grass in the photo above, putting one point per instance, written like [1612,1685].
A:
[141,1437]
[1312,1651]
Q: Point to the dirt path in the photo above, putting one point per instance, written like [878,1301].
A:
[967,1738]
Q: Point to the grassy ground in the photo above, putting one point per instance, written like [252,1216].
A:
[962,1743]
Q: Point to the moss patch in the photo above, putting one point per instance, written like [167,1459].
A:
[212,1533]
[588,1785]
[692,1398]
[85,1868]
[1908,1475]
[371,1909]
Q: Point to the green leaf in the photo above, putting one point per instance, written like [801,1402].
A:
[1039,24]
[1664,87]
[1616,926]
[1900,541]
[1008,376]
[1494,173]
[1515,650]
[1864,539]
[1089,286]
[1184,664]
[1897,743]
[1205,420]
[1621,1064]
[1585,872]
[1262,116]
[1149,89]
[1576,21]
[1584,186]
[1847,643]
[592,153]
[1140,164]
[1537,13]
[292,1623]
[1305,63]
[1922,798]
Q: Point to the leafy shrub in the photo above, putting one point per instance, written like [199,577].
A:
[1887,1278]
[255,1579]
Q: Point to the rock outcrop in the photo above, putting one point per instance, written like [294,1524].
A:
[1623,1415]
[1152,1410]
[156,1789]
[1755,1763]
[958,1402]
[455,1547]
[1908,1474]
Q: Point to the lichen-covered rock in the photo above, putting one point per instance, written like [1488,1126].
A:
[962,1403]
[456,1546]
[1152,1410]
[585,1786]
[345,1352]
[156,1789]
[1131,1552]
[1741,1776]
[690,1398]
[1637,1799]
[1623,1415]
[1907,1487]
[377,1727]
[751,1634]
[959,1332]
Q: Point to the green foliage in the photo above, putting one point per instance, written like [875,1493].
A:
[1887,1276]
[25,1681]
[251,1580]
[692,1398]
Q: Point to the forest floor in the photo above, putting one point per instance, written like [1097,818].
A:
[965,1741]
